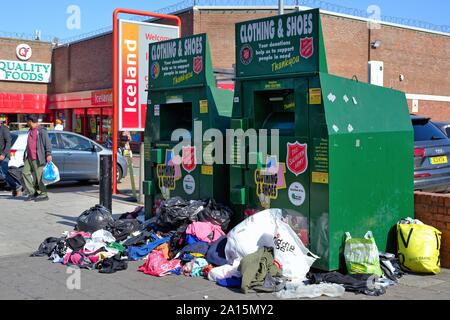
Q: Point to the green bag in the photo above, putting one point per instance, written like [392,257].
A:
[361,255]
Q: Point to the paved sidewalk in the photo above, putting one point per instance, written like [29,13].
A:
[25,225]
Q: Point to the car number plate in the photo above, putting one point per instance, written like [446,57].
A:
[439,160]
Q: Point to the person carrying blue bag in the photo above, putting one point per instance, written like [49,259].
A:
[37,154]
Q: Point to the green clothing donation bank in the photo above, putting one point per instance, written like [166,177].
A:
[345,159]
[183,103]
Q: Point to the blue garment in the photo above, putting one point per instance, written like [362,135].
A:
[233,282]
[197,247]
[178,271]
[216,252]
[190,239]
[13,182]
[138,253]
[187,257]
[3,168]
[4,173]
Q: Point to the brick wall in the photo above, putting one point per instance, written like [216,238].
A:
[187,22]
[83,66]
[434,209]
[423,58]
[346,46]
[42,52]
[438,111]
[220,26]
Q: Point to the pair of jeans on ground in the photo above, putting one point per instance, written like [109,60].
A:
[10,180]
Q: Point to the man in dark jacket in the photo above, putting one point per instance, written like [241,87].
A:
[5,145]
[37,154]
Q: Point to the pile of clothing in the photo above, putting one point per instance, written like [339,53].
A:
[98,250]
[191,238]
[175,241]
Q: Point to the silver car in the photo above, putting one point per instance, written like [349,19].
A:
[77,157]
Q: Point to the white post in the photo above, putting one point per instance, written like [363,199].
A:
[280,6]
[141,174]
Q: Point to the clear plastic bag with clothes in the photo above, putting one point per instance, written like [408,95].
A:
[299,290]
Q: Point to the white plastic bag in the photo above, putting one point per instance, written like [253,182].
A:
[98,240]
[267,229]
[103,236]
[224,272]
[50,174]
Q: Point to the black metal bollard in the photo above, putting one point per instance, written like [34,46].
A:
[106,181]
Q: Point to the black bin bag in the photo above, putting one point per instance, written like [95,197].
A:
[216,213]
[96,218]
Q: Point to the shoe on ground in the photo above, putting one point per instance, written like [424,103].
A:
[30,198]
[41,198]
[17,193]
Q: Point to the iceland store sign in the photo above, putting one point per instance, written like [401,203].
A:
[25,71]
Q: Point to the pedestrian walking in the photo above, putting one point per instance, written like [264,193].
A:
[37,154]
[5,145]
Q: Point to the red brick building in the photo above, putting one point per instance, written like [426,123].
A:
[415,61]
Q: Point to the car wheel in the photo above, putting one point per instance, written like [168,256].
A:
[119,174]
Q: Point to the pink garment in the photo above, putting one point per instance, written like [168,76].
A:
[94,259]
[82,233]
[75,258]
[205,231]
[157,265]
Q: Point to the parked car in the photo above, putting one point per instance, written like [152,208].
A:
[444,126]
[431,156]
[77,157]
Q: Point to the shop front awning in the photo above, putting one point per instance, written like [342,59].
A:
[81,99]
[23,103]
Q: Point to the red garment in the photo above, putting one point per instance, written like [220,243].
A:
[32,144]
[157,265]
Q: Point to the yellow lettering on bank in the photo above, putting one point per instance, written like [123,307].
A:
[184,77]
[285,63]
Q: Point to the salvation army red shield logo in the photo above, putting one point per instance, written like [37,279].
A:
[306,47]
[188,159]
[198,64]
[246,54]
[297,157]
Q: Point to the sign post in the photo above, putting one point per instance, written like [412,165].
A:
[127,83]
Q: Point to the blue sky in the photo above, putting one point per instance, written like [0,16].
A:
[50,16]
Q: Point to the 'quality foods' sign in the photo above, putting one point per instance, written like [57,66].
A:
[288,43]
[25,71]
